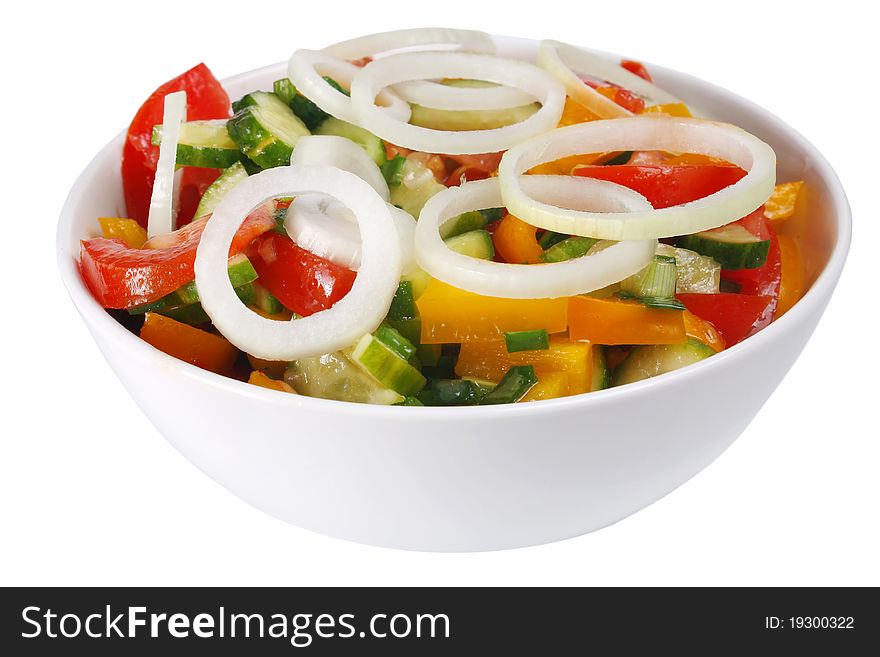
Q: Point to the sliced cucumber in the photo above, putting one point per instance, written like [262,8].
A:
[463,223]
[266,129]
[266,301]
[657,280]
[218,189]
[428,117]
[395,341]
[241,272]
[392,170]
[419,280]
[475,243]
[386,366]
[203,144]
[451,392]
[310,114]
[568,248]
[334,376]
[601,373]
[374,146]
[518,380]
[650,360]
[416,187]
[732,246]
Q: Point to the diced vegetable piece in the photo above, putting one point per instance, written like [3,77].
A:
[693,272]
[670,109]
[218,189]
[384,364]
[453,315]
[241,272]
[764,280]
[261,379]
[334,376]
[549,238]
[513,387]
[463,223]
[613,322]
[650,360]
[203,144]
[601,374]
[732,246]
[266,301]
[781,204]
[568,248]
[206,350]
[621,158]
[128,230]
[791,287]
[550,385]
[416,187]
[392,339]
[436,119]
[451,392]
[516,241]
[419,280]
[410,401]
[374,146]
[309,113]
[392,170]
[265,129]
[526,340]
[490,360]
[733,315]
[573,113]
[474,243]
[655,280]
[699,329]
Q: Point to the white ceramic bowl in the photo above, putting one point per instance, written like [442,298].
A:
[478,478]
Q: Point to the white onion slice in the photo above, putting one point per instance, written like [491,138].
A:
[329,150]
[510,281]
[433,65]
[324,226]
[564,62]
[446,97]
[374,44]
[163,205]
[358,312]
[662,133]
[306,70]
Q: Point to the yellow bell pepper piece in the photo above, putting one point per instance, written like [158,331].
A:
[260,379]
[614,322]
[549,386]
[781,204]
[490,361]
[452,315]
[128,230]
[699,329]
[574,112]
[565,165]
[670,109]
[515,241]
[791,284]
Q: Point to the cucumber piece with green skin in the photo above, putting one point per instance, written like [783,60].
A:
[644,362]
[266,301]
[568,249]
[392,170]
[475,244]
[204,144]
[266,129]
[463,223]
[310,114]
[419,279]
[601,373]
[436,119]
[193,313]
[513,386]
[549,238]
[334,376]
[451,392]
[403,305]
[374,146]
[732,246]
[428,354]
[391,371]
[218,189]
[416,187]
[393,339]
[410,401]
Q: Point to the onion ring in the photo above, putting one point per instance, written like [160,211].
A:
[330,150]
[375,44]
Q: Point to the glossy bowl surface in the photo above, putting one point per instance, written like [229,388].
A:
[479,478]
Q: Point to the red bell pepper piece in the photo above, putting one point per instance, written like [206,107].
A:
[205,99]
[638,68]
[302,281]
[122,277]
[734,315]
[463,174]
[666,185]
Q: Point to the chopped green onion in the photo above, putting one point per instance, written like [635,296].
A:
[513,387]
[451,392]
[549,238]
[655,280]
[284,89]
[493,214]
[410,401]
[622,158]
[567,249]
[526,340]
[393,170]
[663,302]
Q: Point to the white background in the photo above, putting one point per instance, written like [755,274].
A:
[92,494]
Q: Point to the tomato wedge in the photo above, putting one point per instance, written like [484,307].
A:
[302,281]
[637,68]
[122,277]
[667,185]
[205,99]
[733,315]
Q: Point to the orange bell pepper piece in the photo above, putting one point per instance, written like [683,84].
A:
[574,113]
[563,166]
[452,315]
[515,241]
[791,285]
[699,329]
[490,361]
[260,379]
[613,322]
[781,204]
[206,350]
[670,109]
[128,230]
[549,386]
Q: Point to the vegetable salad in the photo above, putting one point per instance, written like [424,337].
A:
[409,218]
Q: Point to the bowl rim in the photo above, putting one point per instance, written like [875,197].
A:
[101,322]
